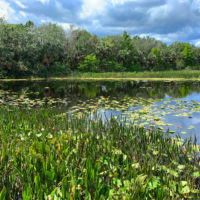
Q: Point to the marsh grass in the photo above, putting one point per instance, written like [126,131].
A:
[147,75]
[44,155]
[183,74]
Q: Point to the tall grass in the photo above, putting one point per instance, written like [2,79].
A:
[46,156]
[185,74]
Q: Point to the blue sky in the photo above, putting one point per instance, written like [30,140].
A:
[167,20]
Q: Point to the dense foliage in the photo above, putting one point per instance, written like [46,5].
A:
[28,50]
[46,155]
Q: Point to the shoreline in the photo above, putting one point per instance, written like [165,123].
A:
[190,75]
[102,79]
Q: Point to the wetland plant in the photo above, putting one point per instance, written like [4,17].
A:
[46,155]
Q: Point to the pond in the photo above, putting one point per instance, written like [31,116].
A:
[173,105]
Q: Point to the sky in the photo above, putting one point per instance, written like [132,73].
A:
[166,20]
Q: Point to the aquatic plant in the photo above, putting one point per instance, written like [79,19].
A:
[47,155]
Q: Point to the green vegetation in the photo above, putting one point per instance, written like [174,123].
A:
[47,155]
[27,50]
[183,74]
[90,64]
[62,140]
[188,55]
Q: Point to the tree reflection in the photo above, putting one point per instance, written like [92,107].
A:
[91,89]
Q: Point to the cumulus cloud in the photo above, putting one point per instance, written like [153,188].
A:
[168,20]
[90,8]
[20,4]
[6,11]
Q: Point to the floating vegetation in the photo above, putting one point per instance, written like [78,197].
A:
[148,112]
[142,112]
[23,100]
[47,155]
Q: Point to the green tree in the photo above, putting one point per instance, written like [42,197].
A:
[107,52]
[188,55]
[89,64]
[175,55]
[129,54]
[155,60]
[197,57]
[51,40]
[144,45]
[15,43]
[29,50]
[79,44]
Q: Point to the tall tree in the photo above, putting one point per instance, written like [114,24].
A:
[15,43]
[188,55]
[155,60]
[77,47]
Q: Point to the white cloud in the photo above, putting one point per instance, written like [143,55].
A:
[5,10]
[22,13]
[167,20]
[93,7]
[159,12]
[44,1]
[197,43]
[66,26]
[20,4]
[118,1]
[114,2]
[45,21]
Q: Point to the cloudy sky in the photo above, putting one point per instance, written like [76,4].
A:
[167,20]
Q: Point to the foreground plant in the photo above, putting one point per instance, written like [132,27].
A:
[45,155]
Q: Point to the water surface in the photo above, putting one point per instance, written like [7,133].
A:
[173,105]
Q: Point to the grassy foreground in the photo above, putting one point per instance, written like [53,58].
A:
[45,155]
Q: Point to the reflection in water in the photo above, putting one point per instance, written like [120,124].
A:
[92,89]
[165,107]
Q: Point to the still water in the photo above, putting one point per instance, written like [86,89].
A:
[162,104]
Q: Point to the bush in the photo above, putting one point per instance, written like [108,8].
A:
[111,66]
[57,69]
[60,69]
[134,68]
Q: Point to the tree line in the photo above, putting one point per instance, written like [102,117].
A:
[48,50]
